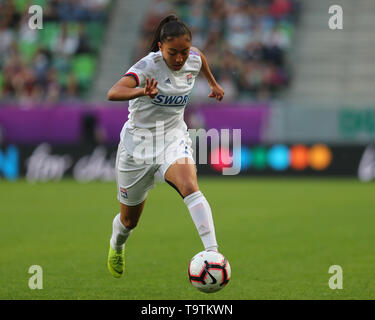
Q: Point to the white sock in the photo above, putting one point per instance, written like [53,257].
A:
[119,234]
[201,214]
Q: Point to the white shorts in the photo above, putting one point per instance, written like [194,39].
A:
[134,180]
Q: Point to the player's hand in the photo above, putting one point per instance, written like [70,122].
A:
[150,88]
[217,92]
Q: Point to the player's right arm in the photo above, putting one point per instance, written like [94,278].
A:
[125,89]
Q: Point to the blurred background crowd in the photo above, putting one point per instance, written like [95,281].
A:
[247,43]
[57,62]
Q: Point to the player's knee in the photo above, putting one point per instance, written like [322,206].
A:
[130,223]
[189,187]
[130,214]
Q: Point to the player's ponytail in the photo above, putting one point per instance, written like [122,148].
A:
[170,26]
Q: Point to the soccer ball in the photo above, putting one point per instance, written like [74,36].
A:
[209,271]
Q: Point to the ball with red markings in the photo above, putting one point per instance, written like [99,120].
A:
[209,271]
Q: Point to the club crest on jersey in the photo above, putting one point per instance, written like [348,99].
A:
[189,78]
[123,193]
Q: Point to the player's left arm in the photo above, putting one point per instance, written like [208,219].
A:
[216,90]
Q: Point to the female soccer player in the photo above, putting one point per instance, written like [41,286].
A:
[155,137]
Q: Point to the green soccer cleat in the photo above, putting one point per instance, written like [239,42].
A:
[116,262]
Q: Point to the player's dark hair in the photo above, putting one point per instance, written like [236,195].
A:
[169,27]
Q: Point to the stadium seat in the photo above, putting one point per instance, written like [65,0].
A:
[95,32]
[83,66]
[27,50]
[49,32]
[62,78]
[21,5]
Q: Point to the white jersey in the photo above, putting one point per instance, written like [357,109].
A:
[167,108]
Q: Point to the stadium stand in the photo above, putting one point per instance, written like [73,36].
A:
[334,68]
[116,54]
[57,62]
[247,42]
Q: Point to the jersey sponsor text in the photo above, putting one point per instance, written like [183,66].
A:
[170,101]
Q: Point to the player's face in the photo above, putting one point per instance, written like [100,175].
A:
[175,51]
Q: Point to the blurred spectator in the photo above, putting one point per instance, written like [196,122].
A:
[92,133]
[72,89]
[95,8]
[84,45]
[41,64]
[25,33]
[66,43]
[53,87]
[51,11]
[280,8]
[6,39]
[229,86]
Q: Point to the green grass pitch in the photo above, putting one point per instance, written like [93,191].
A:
[279,235]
